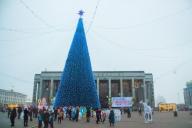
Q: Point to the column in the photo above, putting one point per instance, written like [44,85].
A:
[37,90]
[145,91]
[121,87]
[51,89]
[98,87]
[133,87]
[40,89]
[109,81]
[34,91]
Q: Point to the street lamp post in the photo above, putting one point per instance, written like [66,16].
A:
[108,101]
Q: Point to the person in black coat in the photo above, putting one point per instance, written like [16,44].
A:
[77,114]
[88,114]
[128,113]
[19,110]
[25,117]
[55,114]
[98,115]
[111,118]
[140,111]
[46,119]
[30,114]
[9,112]
[13,115]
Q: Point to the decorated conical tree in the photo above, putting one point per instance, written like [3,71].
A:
[77,86]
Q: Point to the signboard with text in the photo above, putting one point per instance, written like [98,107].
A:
[121,101]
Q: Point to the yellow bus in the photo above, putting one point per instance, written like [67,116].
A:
[12,106]
[167,107]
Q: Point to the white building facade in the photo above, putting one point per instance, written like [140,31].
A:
[11,97]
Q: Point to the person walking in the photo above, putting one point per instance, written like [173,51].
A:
[8,112]
[62,114]
[25,117]
[39,118]
[19,110]
[88,114]
[128,113]
[46,120]
[98,115]
[59,115]
[77,114]
[43,117]
[175,113]
[35,112]
[69,112]
[103,116]
[140,111]
[55,113]
[13,115]
[51,120]
[112,118]
[73,113]
[121,109]
[30,114]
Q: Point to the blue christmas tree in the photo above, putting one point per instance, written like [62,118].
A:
[77,86]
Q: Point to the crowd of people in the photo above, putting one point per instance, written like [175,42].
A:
[26,114]
[46,117]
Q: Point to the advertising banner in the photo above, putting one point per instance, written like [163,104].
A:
[121,101]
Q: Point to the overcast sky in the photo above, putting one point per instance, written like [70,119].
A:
[154,36]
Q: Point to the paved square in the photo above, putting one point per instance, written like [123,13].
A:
[160,120]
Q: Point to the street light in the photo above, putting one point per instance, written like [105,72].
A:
[108,100]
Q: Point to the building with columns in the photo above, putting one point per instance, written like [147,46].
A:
[136,84]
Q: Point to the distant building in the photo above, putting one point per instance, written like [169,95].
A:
[136,84]
[159,99]
[182,107]
[188,94]
[11,97]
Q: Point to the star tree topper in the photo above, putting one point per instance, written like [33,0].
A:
[81,12]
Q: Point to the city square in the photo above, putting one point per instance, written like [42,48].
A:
[123,67]
[160,120]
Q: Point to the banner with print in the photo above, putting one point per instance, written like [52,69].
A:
[121,101]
